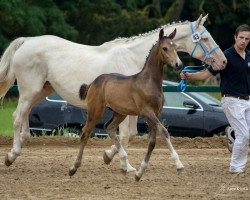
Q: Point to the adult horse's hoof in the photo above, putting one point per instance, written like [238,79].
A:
[180,170]
[124,172]
[7,161]
[106,159]
[137,179]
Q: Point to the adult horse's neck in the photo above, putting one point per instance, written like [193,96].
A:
[139,46]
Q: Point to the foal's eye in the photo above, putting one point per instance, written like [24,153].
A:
[165,49]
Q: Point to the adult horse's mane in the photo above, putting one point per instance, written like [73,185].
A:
[127,39]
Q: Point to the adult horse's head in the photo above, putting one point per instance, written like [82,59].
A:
[200,44]
[167,50]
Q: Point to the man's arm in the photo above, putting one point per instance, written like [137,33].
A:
[202,75]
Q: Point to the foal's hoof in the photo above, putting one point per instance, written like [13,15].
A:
[7,161]
[72,172]
[106,159]
[130,168]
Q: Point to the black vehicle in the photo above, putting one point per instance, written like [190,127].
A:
[192,114]
[53,115]
[184,114]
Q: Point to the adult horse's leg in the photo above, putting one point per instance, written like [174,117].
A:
[21,120]
[18,119]
[111,127]
[154,125]
[173,153]
[25,134]
[94,115]
[128,130]
[125,128]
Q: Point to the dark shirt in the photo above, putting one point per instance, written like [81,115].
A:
[235,78]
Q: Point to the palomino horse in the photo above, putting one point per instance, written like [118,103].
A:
[139,94]
[44,64]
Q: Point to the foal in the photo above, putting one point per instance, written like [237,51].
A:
[139,94]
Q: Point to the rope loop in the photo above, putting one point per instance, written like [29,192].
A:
[191,69]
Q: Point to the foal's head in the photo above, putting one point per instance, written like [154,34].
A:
[167,50]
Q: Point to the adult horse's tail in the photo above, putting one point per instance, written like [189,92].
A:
[7,77]
[83,91]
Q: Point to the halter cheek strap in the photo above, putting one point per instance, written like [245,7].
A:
[196,38]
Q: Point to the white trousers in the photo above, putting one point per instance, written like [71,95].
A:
[238,114]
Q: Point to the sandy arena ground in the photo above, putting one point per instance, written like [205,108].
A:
[41,172]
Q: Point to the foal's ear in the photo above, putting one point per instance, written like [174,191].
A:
[161,34]
[172,35]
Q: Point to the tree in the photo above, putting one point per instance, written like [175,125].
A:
[32,18]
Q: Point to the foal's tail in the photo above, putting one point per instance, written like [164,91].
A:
[83,91]
[7,77]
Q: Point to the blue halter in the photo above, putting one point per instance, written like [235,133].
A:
[196,37]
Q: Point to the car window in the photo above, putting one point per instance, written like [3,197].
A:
[206,98]
[55,97]
[175,99]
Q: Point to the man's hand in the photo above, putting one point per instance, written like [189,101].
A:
[184,75]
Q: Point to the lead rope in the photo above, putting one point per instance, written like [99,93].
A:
[192,69]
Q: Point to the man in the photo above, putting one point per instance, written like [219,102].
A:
[235,90]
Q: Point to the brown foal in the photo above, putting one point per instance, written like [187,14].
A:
[139,94]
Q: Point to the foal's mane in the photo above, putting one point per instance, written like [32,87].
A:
[157,42]
[149,53]
[127,39]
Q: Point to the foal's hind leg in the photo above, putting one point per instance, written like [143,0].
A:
[94,115]
[173,153]
[86,132]
[111,127]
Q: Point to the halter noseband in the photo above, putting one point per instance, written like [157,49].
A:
[196,38]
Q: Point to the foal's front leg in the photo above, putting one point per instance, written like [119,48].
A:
[152,122]
[173,153]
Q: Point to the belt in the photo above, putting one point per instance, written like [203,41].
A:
[238,97]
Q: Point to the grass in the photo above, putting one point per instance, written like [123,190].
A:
[7,107]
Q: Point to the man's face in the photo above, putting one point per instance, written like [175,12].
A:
[242,39]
